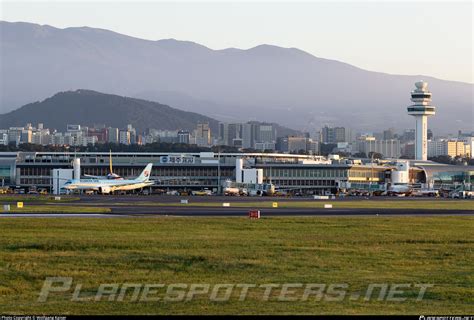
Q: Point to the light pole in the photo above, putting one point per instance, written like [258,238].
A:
[218,170]
[371,173]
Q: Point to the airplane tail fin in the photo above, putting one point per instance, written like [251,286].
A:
[110,162]
[145,175]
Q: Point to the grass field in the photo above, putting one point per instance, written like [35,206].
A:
[35,198]
[354,251]
[356,204]
[57,209]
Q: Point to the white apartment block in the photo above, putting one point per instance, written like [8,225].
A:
[452,148]
[389,148]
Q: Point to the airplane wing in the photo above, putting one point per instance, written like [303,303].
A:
[130,185]
[95,177]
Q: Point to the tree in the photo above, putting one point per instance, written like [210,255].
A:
[326,148]
[375,155]
[360,155]
[442,159]
[343,154]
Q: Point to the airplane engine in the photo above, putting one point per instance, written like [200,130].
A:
[105,190]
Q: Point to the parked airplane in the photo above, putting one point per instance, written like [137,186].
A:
[252,189]
[106,186]
[399,190]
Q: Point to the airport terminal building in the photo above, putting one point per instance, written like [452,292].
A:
[208,170]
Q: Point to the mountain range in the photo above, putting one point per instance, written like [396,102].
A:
[284,85]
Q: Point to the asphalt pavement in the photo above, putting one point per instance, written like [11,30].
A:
[143,206]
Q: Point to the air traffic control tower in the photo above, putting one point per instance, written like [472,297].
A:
[421,109]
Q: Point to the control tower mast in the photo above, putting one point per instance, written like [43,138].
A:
[421,109]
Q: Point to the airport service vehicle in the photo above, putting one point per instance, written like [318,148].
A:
[230,188]
[462,194]
[281,194]
[425,193]
[107,186]
[202,193]
[231,191]
[243,192]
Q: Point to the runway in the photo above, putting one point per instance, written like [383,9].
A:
[198,199]
[240,212]
[146,206]
[270,212]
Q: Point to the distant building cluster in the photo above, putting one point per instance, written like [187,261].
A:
[250,135]
[396,145]
[78,135]
[460,147]
[258,136]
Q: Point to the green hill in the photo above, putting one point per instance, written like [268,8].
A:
[88,107]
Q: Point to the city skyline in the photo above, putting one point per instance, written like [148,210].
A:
[242,137]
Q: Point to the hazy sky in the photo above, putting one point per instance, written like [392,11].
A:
[422,37]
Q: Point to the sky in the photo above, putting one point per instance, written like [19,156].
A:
[403,37]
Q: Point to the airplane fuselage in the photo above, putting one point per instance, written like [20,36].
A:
[114,185]
[111,185]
